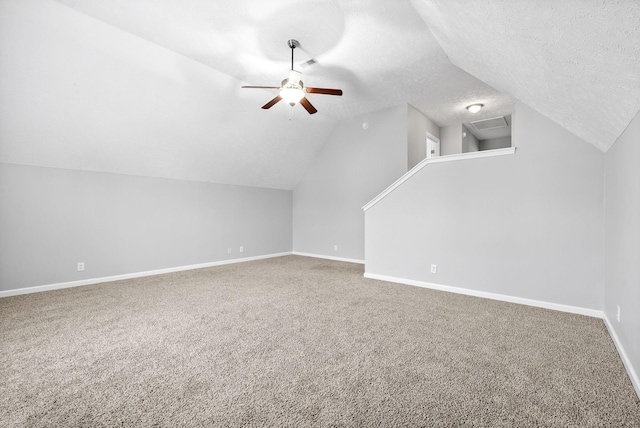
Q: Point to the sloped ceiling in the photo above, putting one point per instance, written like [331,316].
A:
[577,61]
[153,88]
[380,53]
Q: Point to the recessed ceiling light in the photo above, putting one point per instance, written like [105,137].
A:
[474,108]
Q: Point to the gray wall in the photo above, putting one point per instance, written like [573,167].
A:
[622,212]
[451,139]
[495,143]
[353,167]
[117,224]
[469,141]
[418,127]
[528,225]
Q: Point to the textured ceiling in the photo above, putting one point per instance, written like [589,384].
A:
[153,87]
[576,61]
[380,53]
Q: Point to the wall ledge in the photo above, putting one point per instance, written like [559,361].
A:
[439,159]
[91,281]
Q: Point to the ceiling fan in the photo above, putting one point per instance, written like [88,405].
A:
[293,91]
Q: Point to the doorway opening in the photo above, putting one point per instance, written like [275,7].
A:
[433,146]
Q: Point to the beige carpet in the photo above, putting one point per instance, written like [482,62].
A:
[296,341]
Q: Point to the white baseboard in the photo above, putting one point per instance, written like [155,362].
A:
[320,256]
[58,286]
[493,296]
[633,375]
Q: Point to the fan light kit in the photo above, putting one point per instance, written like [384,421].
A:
[292,91]
[474,108]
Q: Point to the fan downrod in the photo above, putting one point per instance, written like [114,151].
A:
[292,43]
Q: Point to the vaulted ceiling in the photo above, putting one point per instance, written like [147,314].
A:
[577,61]
[153,87]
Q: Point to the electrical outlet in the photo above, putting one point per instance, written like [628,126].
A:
[229,250]
[81,268]
[434,268]
[242,249]
[335,248]
[618,313]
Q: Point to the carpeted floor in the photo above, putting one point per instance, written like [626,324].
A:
[295,341]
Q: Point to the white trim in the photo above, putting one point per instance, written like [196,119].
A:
[427,161]
[633,375]
[320,256]
[436,140]
[58,286]
[494,296]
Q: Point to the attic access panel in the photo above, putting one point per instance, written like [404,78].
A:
[493,123]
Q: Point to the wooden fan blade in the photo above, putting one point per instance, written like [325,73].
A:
[324,91]
[272,102]
[307,105]
[262,87]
